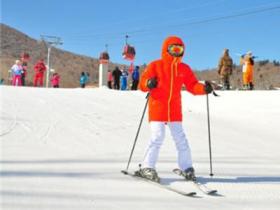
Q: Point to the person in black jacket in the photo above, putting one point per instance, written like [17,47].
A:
[116,75]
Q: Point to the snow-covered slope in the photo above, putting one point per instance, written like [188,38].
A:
[65,148]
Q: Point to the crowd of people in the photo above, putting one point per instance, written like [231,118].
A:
[120,79]
[225,69]
[19,72]
[123,79]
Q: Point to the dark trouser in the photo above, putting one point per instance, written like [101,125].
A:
[83,85]
[134,84]
[22,79]
[225,81]
[117,84]
[109,84]
[56,86]
[251,86]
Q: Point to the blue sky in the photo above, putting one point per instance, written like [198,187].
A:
[206,26]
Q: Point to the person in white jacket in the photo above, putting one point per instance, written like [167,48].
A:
[16,73]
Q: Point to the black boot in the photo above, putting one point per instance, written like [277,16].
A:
[189,174]
[148,173]
[251,86]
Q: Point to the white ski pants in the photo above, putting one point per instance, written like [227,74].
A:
[158,134]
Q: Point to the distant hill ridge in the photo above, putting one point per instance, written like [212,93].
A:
[69,65]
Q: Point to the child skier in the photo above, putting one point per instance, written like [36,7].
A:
[164,79]
[55,80]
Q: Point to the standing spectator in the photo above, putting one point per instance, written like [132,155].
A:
[135,78]
[124,78]
[83,80]
[116,75]
[24,72]
[39,69]
[225,69]
[247,62]
[24,59]
[16,73]
[109,79]
[55,80]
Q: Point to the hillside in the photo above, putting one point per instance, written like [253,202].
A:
[70,65]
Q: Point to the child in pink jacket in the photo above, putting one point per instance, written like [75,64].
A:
[55,80]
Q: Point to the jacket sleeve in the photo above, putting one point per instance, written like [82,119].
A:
[44,68]
[148,73]
[192,84]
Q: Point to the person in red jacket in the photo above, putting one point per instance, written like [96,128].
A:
[39,69]
[164,79]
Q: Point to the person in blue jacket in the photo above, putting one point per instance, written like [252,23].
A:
[124,77]
[83,80]
[135,78]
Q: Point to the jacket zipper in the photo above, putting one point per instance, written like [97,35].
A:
[171,90]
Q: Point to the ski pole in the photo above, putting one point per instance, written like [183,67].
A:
[209,135]
[137,133]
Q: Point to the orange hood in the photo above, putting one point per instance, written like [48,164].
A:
[168,41]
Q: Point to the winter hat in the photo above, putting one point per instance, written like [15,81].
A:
[249,53]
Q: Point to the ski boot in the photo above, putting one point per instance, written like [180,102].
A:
[189,174]
[148,173]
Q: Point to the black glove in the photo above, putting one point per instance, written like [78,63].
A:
[152,83]
[208,87]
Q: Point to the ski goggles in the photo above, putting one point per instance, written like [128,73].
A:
[176,50]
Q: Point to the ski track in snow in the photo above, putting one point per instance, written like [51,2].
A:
[13,124]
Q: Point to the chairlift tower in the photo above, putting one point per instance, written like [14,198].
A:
[50,41]
[103,67]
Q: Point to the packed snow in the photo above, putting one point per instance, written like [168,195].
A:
[65,148]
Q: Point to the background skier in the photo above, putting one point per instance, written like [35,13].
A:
[39,69]
[109,79]
[225,69]
[135,78]
[83,80]
[24,60]
[116,75]
[247,62]
[164,79]
[55,80]
[124,78]
[16,73]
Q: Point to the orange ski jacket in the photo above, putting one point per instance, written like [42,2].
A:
[171,74]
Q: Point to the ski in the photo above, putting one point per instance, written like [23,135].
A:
[161,185]
[200,186]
